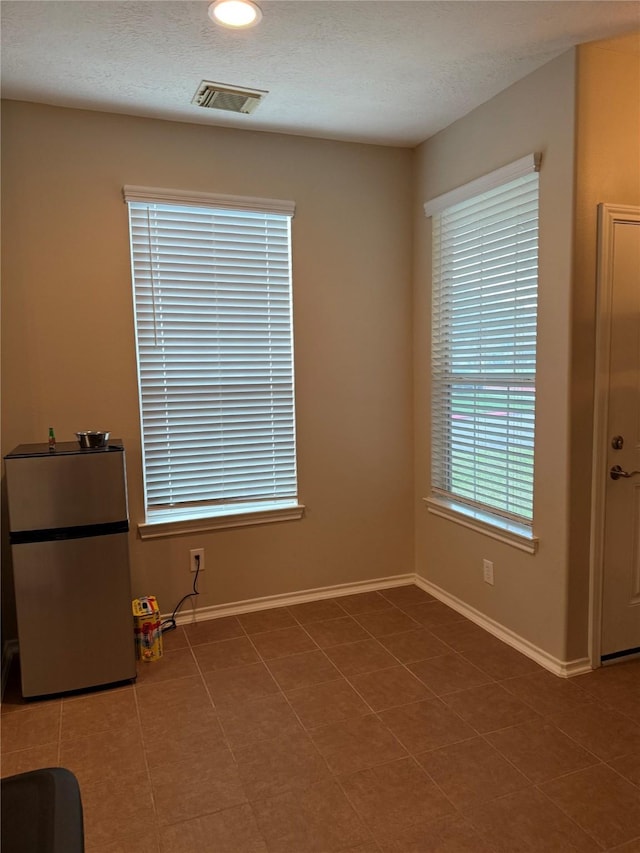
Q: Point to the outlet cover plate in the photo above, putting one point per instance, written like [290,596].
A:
[487,570]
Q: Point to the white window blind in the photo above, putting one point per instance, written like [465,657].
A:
[485,274]
[213,309]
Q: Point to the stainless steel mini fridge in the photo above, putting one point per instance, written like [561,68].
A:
[68,522]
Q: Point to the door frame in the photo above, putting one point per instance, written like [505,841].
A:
[608,216]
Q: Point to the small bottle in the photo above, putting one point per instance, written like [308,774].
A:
[52,440]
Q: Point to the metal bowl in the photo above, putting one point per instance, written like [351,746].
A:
[92,438]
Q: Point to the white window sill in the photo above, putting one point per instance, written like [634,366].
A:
[504,530]
[172,523]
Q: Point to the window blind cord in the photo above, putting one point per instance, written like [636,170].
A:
[170,624]
[153,284]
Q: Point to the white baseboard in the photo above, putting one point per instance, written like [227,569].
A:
[215,611]
[565,669]
[9,651]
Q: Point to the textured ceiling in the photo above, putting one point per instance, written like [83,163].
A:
[385,71]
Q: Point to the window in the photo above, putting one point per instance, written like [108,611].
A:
[213,311]
[485,276]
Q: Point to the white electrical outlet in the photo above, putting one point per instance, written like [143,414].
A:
[487,570]
[196,555]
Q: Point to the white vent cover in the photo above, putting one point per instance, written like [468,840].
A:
[215,96]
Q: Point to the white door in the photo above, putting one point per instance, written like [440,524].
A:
[619,245]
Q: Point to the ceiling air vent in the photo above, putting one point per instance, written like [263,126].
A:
[214,96]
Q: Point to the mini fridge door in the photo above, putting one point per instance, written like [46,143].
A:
[61,491]
[73,602]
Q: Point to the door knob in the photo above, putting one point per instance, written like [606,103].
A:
[616,472]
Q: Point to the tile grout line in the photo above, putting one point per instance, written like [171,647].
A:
[598,762]
[331,775]
[621,775]
[210,697]
[286,699]
[434,697]
[146,764]
[409,755]
[481,735]
[226,742]
[590,751]
[266,661]
[587,832]
[543,718]
[531,782]
[392,605]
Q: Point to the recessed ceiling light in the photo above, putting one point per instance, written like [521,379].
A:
[235,13]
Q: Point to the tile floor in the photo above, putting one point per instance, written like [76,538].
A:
[373,723]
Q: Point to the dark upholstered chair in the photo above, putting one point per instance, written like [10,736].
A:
[42,813]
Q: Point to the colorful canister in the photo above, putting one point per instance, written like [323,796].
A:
[146,627]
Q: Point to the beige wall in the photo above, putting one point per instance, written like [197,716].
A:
[607,170]
[68,350]
[530,594]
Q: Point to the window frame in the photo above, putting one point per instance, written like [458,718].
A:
[185,517]
[482,518]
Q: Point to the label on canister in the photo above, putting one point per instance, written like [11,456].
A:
[147,628]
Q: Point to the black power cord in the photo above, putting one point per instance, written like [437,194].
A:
[170,624]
